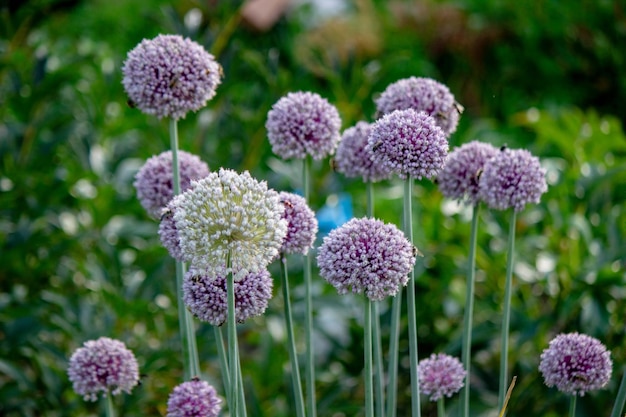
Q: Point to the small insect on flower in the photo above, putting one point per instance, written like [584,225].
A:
[165,213]
[131,104]
[459,107]
[479,172]
[333,164]
[377,146]
[503,148]
[287,203]
[417,252]
[174,81]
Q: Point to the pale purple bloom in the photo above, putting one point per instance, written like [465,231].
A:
[301,224]
[301,124]
[195,398]
[576,363]
[169,76]
[512,179]
[168,234]
[354,159]
[101,366]
[366,256]
[459,178]
[154,180]
[422,94]
[441,376]
[409,144]
[205,295]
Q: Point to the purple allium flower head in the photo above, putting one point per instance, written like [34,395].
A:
[154,180]
[408,143]
[301,224]
[168,233]
[194,398]
[422,94]
[101,366]
[205,295]
[576,363]
[366,255]
[301,124]
[227,212]
[354,159]
[512,178]
[169,76]
[458,179]
[441,375]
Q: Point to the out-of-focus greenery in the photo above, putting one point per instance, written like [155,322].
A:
[80,259]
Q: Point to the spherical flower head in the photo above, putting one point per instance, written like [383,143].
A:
[301,224]
[576,363]
[227,212]
[422,94]
[354,159]
[441,376]
[512,178]
[366,256]
[101,366]
[301,124]
[204,295]
[194,398]
[408,143]
[169,76]
[458,179]
[154,179]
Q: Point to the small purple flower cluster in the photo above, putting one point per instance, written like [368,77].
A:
[354,158]
[301,224]
[441,376]
[195,398]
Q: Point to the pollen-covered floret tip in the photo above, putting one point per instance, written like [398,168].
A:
[511,179]
[441,376]
[354,159]
[204,294]
[576,363]
[458,180]
[195,398]
[366,256]
[101,366]
[168,76]
[301,224]
[301,124]
[409,144]
[422,94]
[154,180]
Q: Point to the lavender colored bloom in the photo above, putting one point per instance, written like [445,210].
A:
[168,234]
[303,123]
[354,159]
[169,76]
[194,398]
[301,224]
[228,212]
[441,376]
[576,363]
[366,256]
[205,295]
[153,181]
[512,178]
[101,366]
[422,94]
[408,143]
[459,178]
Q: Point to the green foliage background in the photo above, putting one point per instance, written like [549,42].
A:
[80,259]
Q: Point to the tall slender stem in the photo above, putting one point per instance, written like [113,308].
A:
[466,349]
[394,337]
[233,349]
[369,386]
[620,399]
[572,406]
[108,405]
[411,310]
[441,407]
[223,358]
[185,320]
[291,341]
[506,317]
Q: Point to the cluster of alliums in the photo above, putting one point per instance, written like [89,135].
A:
[301,224]
[102,366]
[168,76]
[366,256]
[441,376]
[195,398]
[575,364]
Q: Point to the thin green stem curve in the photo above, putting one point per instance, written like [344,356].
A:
[369,386]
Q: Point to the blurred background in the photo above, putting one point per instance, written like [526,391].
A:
[80,259]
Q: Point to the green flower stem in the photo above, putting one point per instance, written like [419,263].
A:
[308,305]
[233,349]
[369,386]
[506,317]
[108,405]
[411,310]
[291,341]
[185,320]
[441,408]
[223,358]
[242,396]
[620,399]
[469,312]
[392,386]
[572,406]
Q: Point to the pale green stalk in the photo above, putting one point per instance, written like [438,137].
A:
[369,386]
[108,405]
[394,336]
[233,349]
[506,317]
[187,331]
[441,408]
[466,353]
[223,358]
[572,406]
[620,400]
